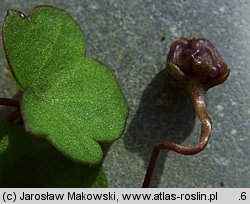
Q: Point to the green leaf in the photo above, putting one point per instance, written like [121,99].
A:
[26,161]
[69,99]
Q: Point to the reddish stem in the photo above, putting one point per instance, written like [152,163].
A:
[197,94]
[14,115]
[9,102]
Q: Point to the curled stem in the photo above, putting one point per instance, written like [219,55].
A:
[197,93]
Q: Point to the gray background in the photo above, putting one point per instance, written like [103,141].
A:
[132,37]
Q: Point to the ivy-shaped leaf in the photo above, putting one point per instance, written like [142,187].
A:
[28,162]
[69,99]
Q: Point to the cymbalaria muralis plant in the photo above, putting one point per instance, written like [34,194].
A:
[75,102]
[196,66]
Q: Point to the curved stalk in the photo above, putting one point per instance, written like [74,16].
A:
[197,93]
